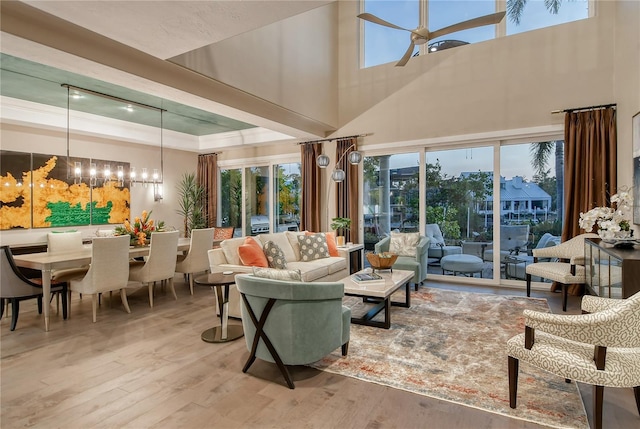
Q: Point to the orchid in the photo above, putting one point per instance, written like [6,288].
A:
[611,222]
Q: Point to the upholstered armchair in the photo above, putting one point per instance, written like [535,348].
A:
[516,270]
[569,268]
[292,322]
[601,348]
[418,262]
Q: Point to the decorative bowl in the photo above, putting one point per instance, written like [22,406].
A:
[381,261]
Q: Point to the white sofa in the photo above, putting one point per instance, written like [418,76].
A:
[225,258]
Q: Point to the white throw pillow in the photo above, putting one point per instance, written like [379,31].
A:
[404,243]
[275,274]
[292,236]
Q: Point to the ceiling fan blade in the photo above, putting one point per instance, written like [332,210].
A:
[407,55]
[376,20]
[490,19]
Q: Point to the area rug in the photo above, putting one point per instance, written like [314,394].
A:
[451,345]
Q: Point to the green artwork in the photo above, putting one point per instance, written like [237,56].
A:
[65,214]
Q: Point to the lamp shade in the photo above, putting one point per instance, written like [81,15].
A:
[338,175]
[355,157]
[322,160]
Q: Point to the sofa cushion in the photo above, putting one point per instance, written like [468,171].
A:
[275,255]
[404,243]
[292,236]
[311,271]
[276,274]
[230,249]
[280,238]
[251,254]
[313,246]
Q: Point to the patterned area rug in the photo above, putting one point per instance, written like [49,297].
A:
[451,345]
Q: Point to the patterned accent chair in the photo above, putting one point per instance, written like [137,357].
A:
[568,270]
[601,348]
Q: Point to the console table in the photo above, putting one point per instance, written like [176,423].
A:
[611,272]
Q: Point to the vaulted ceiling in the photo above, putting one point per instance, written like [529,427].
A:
[161,29]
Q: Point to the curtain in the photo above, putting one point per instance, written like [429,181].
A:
[590,166]
[311,188]
[207,176]
[347,190]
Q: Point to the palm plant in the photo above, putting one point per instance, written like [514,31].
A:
[191,203]
[540,153]
[516,7]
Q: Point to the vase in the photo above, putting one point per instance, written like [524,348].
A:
[605,234]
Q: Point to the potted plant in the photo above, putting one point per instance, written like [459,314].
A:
[191,203]
[340,225]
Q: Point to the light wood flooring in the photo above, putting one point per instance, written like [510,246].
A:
[150,369]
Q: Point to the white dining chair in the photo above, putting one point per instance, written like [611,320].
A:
[196,260]
[65,241]
[160,264]
[109,271]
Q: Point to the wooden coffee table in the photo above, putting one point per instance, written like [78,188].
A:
[380,295]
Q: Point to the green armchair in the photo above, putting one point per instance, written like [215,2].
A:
[291,322]
[418,263]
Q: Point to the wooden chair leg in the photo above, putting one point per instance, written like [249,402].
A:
[94,306]
[636,392]
[564,297]
[345,348]
[2,301]
[173,290]
[528,284]
[191,283]
[39,299]
[123,297]
[598,399]
[65,305]
[150,285]
[15,309]
[513,381]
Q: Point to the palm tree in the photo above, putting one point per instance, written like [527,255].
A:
[540,153]
[516,7]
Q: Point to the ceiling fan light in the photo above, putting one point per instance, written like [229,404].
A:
[322,160]
[338,175]
[355,157]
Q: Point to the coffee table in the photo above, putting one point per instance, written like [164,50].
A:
[224,332]
[379,294]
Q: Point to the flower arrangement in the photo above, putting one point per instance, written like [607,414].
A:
[141,229]
[612,222]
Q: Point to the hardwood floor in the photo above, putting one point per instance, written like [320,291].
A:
[150,369]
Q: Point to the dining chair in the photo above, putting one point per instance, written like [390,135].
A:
[15,287]
[160,264]
[197,259]
[222,233]
[65,241]
[109,271]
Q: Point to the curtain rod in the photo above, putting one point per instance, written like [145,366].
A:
[335,138]
[112,97]
[573,109]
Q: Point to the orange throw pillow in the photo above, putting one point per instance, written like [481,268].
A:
[331,242]
[251,254]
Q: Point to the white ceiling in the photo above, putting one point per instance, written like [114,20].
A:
[165,29]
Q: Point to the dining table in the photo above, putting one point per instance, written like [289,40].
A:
[46,262]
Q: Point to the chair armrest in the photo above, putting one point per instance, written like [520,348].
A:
[578,260]
[383,245]
[422,248]
[594,304]
[597,329]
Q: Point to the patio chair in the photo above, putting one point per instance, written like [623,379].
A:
[438,249]
[514,240]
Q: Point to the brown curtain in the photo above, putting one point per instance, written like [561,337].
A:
[347,190]
[311,188]
[207,176]
[590,166]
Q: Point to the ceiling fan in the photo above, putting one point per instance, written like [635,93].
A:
[422,35]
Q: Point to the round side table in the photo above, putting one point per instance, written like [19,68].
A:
[224,332]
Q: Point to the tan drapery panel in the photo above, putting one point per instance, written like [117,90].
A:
[347,190]
[207,176]
[590,166]
[310,198]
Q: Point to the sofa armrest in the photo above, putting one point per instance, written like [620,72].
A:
[383,245]
[216,257]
